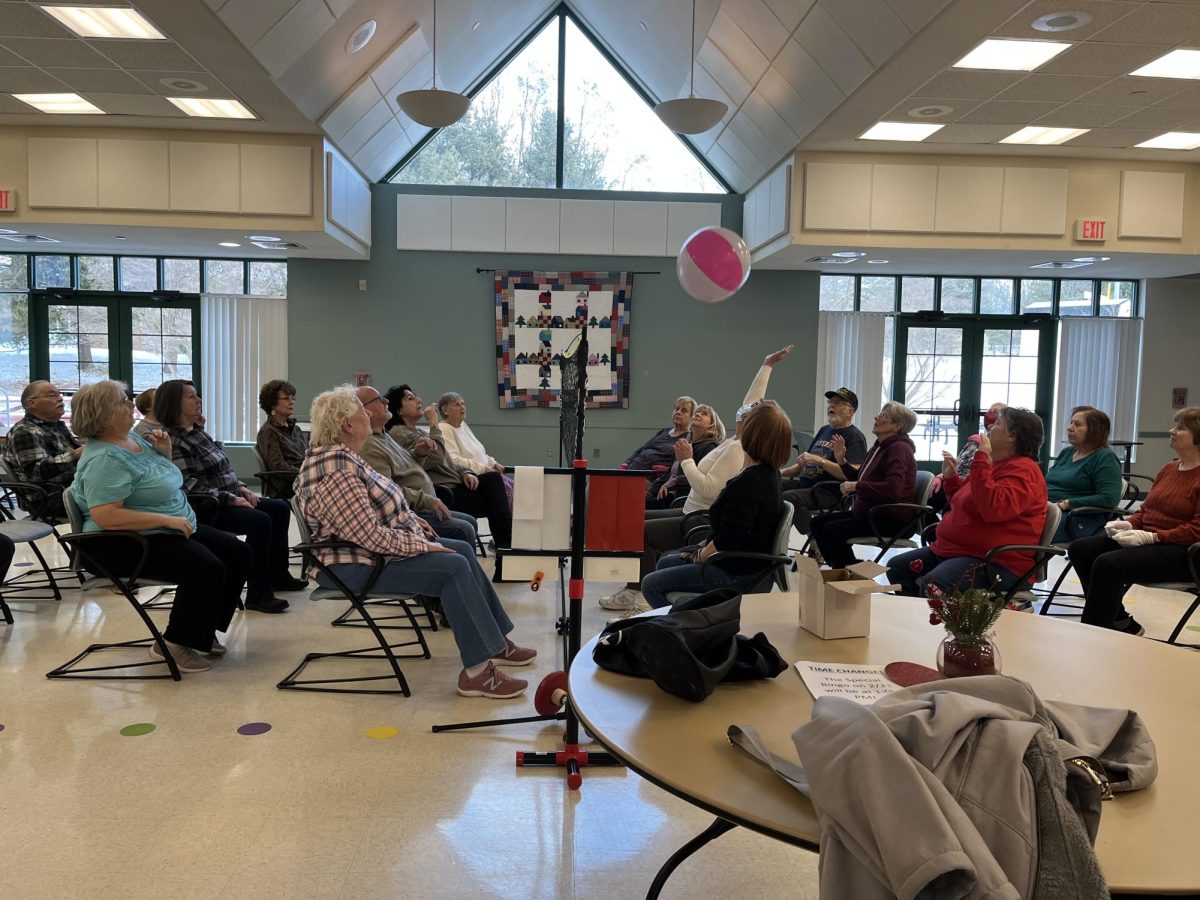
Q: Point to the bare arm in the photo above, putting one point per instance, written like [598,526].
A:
[115,517]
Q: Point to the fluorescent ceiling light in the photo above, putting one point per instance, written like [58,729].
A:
[1172,140]
[877,262]
[1042,137]
[210,108]
[899,131]
[1176,64]
[1016,56]
[106,22]
[229,244]
[60,104]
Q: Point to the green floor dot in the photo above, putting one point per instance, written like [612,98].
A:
[137,730]
[1193,628]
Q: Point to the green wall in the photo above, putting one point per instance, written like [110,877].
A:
[428,319]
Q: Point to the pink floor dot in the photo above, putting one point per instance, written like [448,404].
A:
[254,728]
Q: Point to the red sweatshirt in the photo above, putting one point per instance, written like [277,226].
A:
[1172,508]
[998,503]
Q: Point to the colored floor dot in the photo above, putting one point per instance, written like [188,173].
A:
[382,732]
[1,726]
[137,730]
[254,728]
[1189,628]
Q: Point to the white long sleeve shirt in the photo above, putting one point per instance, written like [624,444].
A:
[465,449]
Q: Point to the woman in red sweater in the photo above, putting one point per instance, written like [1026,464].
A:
[1150,545]
[1001,501]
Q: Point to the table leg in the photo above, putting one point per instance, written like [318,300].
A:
[713,831]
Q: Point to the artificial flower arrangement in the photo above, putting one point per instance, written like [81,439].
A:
[969,615]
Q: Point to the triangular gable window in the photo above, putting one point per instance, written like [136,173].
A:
[611,139]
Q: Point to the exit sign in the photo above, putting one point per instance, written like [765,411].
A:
[1090,229]
[8,200]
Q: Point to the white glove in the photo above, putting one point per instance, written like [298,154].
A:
[1134,538]
[1111,528]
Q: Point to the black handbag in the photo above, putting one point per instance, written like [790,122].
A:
[689,650]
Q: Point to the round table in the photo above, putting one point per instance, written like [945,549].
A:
[1146,837]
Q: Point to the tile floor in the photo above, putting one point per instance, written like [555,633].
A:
[315,807]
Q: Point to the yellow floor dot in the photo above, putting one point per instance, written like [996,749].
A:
[382,732]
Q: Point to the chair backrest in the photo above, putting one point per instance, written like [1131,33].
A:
[258,460]
[783,533]
[75,519]
[922,487]
[301,525]
[1053,517]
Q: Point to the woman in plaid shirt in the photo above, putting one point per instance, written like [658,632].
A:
[342,498]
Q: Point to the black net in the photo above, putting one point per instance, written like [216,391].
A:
[573,390]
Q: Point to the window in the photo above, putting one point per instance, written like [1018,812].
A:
[162,345]
[1075,298]
[96,273]
[268,279]
[996,296]
[14,272]
[52,271]
[224,276]
[958,295]
[878,293]
[79,351]
[1037,295]
[181,275]
[138,273]
[1117,298]
[14,353]
[916,294]
[610,138]
[837,293]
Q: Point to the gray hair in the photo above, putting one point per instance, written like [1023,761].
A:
[330,411]
[901,415]
[446,399]
[27,394]
[95,406]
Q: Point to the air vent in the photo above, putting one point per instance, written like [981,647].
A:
[29,238]
[278,245]
[1068,264]
[832,260]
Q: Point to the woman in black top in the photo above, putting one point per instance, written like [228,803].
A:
[744,517]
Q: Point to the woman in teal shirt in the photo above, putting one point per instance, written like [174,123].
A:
[126,483]
[1086,473]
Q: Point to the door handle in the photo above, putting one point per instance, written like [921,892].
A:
[957,400]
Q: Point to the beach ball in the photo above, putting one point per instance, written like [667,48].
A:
[713,264]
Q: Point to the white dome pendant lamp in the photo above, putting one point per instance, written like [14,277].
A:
[691,114]
[431,107]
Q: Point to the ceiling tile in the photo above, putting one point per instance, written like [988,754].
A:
[134,105]
[764,117]
[154,79]
[1084,115]
[733,173]
[1154,23]
[969,84]
[997,112]
[391,133]
[916,13]
[969,134]
[1061,88]
[293,35]
[1160,118]
[871,24]
[69,53]
[760,24]
[366,127]
[377,168]
[957,109]
[350,108]
[337,7]
[724,72]
[417,78]
[1188,98]
[10,105]
[1103,13]
[779,93]
[29,21]
[1133,91]
[810,81]
[706,86]
[110,81]
[401,59]
[833,50]
[738,48]
[790,12]
[27,80]
[251,19]
[142,55]
[216,4]
[1113,137]
[755,140]
[1102,59]
[8,58]
[740,153]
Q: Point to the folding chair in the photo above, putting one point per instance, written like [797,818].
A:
[922,488]
[775,564]
[29,531]
[275,483]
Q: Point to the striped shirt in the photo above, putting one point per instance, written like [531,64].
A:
[342,498]
[1172,508]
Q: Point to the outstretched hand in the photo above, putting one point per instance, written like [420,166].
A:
[778,356]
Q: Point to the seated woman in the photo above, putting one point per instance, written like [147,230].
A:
[937,497]
[281,442]
[127,483]
[1086,473]
[463,448]
[207,470]
[1002,501]
[145,406]
[342,498]
[1151,544]
[888,475]
[705,432]
[663,529]
[745,516]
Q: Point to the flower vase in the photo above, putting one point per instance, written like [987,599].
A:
[963,655]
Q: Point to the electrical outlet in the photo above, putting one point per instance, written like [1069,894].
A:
[362,284]
[548,452]
[595,453]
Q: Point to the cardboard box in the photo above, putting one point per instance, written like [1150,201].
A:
[836,603]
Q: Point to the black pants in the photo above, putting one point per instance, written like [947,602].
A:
[266,529]
[805,501]
[1106,570]
[830,531]
[209,570]
[488,500]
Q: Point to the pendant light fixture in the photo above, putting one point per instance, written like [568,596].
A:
[431,107]
[691,114]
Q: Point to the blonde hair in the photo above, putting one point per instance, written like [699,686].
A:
[688,400]
[95,406]
[717,431]
[330,411]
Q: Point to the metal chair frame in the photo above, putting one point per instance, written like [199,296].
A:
[34,497]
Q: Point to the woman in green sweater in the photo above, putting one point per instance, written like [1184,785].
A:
[1086,473]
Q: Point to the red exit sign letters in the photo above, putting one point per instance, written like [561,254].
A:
[8,200]
[1091,229]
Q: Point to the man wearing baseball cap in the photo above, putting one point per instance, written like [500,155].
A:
[817,473]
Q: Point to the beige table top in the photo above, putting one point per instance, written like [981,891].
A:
[1147,840]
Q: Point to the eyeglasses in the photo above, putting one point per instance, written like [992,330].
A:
[57,395]
[376,399]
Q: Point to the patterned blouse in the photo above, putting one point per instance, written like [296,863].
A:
[41,451]
[206,469]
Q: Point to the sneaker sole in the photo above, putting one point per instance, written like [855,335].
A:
[490,695]
[511,663]
[182,669]
[615,607]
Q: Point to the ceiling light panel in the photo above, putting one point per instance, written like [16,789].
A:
[1014,56]
[211,108]
[106,22]
[899,131]
[1172,140]
[1176,64]
[60,104]
[1043,137]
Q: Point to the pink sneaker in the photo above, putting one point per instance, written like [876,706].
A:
[491,683]
[512,655]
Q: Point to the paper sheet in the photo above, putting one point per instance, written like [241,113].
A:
[861,683]
[527,492]
[550,527]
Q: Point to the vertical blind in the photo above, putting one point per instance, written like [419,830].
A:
[850,351]
[243,346]
[1098,362]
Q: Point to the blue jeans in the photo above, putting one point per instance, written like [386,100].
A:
[949,574]
[468,600]
[676,574]
[459,527]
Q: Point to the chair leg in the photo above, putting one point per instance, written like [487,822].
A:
[1049,601]
[68,669]
[346,620]
[1178,626]
[46,568]
[5,611]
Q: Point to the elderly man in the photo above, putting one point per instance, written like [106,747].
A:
[660,449]
[41,447]
[388,458]
[817,473]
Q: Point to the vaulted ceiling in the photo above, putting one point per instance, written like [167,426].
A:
[812,74]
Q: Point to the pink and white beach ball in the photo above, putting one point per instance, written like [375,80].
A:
[713,264]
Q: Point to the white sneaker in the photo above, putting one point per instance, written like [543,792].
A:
[639,606]
[622,600]
[186,659]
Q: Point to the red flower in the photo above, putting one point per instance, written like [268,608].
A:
[917,565]
[934,592]
[936,604]
[934,620]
